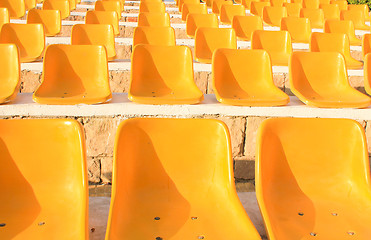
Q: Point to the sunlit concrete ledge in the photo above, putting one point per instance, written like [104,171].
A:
[120,105]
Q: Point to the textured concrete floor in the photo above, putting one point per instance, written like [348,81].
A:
[99,207]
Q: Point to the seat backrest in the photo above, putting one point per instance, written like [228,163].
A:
[29,38]
[62,5]
[293,9]
[244,26]
[207,40]
[271,41]
[195,20]
[164,36]
[357,17]
[193,8]
[277,3]
[299,28]
[361,7]
[256,8]
[153,19]
[43,163]
[109,6]
[273,15]
[10,72]
[74,74]
[366,44]
[330,11]
[197,183]
[321,166]
[16,8]
[152,7]
[316,16]
[247,3]
[343,4]
[4,17]
[51,19]
[182,2]
[227,12]
[95,34]
[163,75]
[103,17]
[314,4]
[342,26]
[330,42]
[217,5]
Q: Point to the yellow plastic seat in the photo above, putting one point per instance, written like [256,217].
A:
[217,5]
[367,73]
[273,15]
[10,73]
[190,196]
[62,5]
[277,3]
[95,34]
[153,19]
[247,3]
[299,29]
[16,8]
[320,79]
[72,4]
[43,170]
[195,21]
[313,178]
[163,75]
[152,7]
[189,8]
[109,6]
[343,26]
[314,4]
[227,12]
[244,78]
[293,9]
[366,44]
[343,4]
[4,17]
[29,38]
[29,4]
[74,74]
[164,36]
[122,3]
[334,42]
[256,8]
[244,26]
[361,7]
[357,17]
[279,50]
[103,17]
[207,40]
[330,11]
[316,17]
[182,2]
[51,19]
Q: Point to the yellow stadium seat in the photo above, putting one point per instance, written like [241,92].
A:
[256,8]
[316,17]
[103,17]
[29,38]
[279,50]
[207,40]
[320,79]
[277,3]
[109,6]
[163,75]
[357,17]
[299,29]
[273,15]
[164,36]
[189,8]
[361,7]
[244,26]
[366,44]
[4,17]
[43,163]
[334,42]
[247,3]
[10,70]
[62,5]
[152,7]
[16,8]
[293,9]
[181,3]
[122,3]
[330,11]
[192,196]
[343,4]
[313,178]
[29,4]
[227,12]
[217,5]
[195,21]
[74,74]
[314,4]
[244,78]
[367,73]
[95,34]
[343,26]
[72,4]
[51,19]
[153,19]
